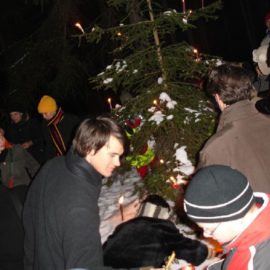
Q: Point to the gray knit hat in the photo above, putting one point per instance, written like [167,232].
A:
[218,193]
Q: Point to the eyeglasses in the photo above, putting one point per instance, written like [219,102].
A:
[211,232]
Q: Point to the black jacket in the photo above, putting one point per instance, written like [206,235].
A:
[145,241]
[61,216]
[67,127]
[24,131]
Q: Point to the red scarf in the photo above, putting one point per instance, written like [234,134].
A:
[56,134]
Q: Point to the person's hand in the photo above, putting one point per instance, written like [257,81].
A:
[26,144]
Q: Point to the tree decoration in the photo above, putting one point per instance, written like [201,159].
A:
[167,116]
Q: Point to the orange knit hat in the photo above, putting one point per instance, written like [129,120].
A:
[47,104]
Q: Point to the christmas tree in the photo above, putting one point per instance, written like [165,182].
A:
[159,78]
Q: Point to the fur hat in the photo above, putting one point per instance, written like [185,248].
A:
[260,57]
[155,206]
[218,193]
[47,104]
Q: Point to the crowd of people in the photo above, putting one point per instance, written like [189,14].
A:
[51,177]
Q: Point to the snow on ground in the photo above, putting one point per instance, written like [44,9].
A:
[110,211]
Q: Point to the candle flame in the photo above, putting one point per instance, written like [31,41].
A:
[173,179]
[109,100]
[161,161]
[78,25]
[195,51]
[155,102]
[121,200]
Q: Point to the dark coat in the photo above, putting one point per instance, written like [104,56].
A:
[61,216]
[67,128]
[11,229]
[145,241]
[24,131]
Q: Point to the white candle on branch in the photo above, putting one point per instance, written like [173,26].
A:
[110,103]
[78,25]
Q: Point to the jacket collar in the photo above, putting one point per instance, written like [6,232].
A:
[239,110]
[81,168]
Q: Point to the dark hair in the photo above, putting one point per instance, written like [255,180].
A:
[231,83]
[93,134]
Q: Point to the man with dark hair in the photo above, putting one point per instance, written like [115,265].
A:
[61,215]
[221,201]
[241,137]
[150,238]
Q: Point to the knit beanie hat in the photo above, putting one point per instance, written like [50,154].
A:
[260,57]
[47,104]
[218,193]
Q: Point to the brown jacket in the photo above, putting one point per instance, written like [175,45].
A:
[242,142]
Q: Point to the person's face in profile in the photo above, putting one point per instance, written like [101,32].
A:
[107,158]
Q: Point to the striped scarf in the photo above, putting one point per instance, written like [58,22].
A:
[56,134]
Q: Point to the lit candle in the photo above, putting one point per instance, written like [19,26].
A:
[170,260]
[173,180]
[155,102]
[196,52]
[78,25]
[110,103]
[184,6]
[120,201]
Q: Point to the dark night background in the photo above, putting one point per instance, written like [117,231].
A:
[237,31]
